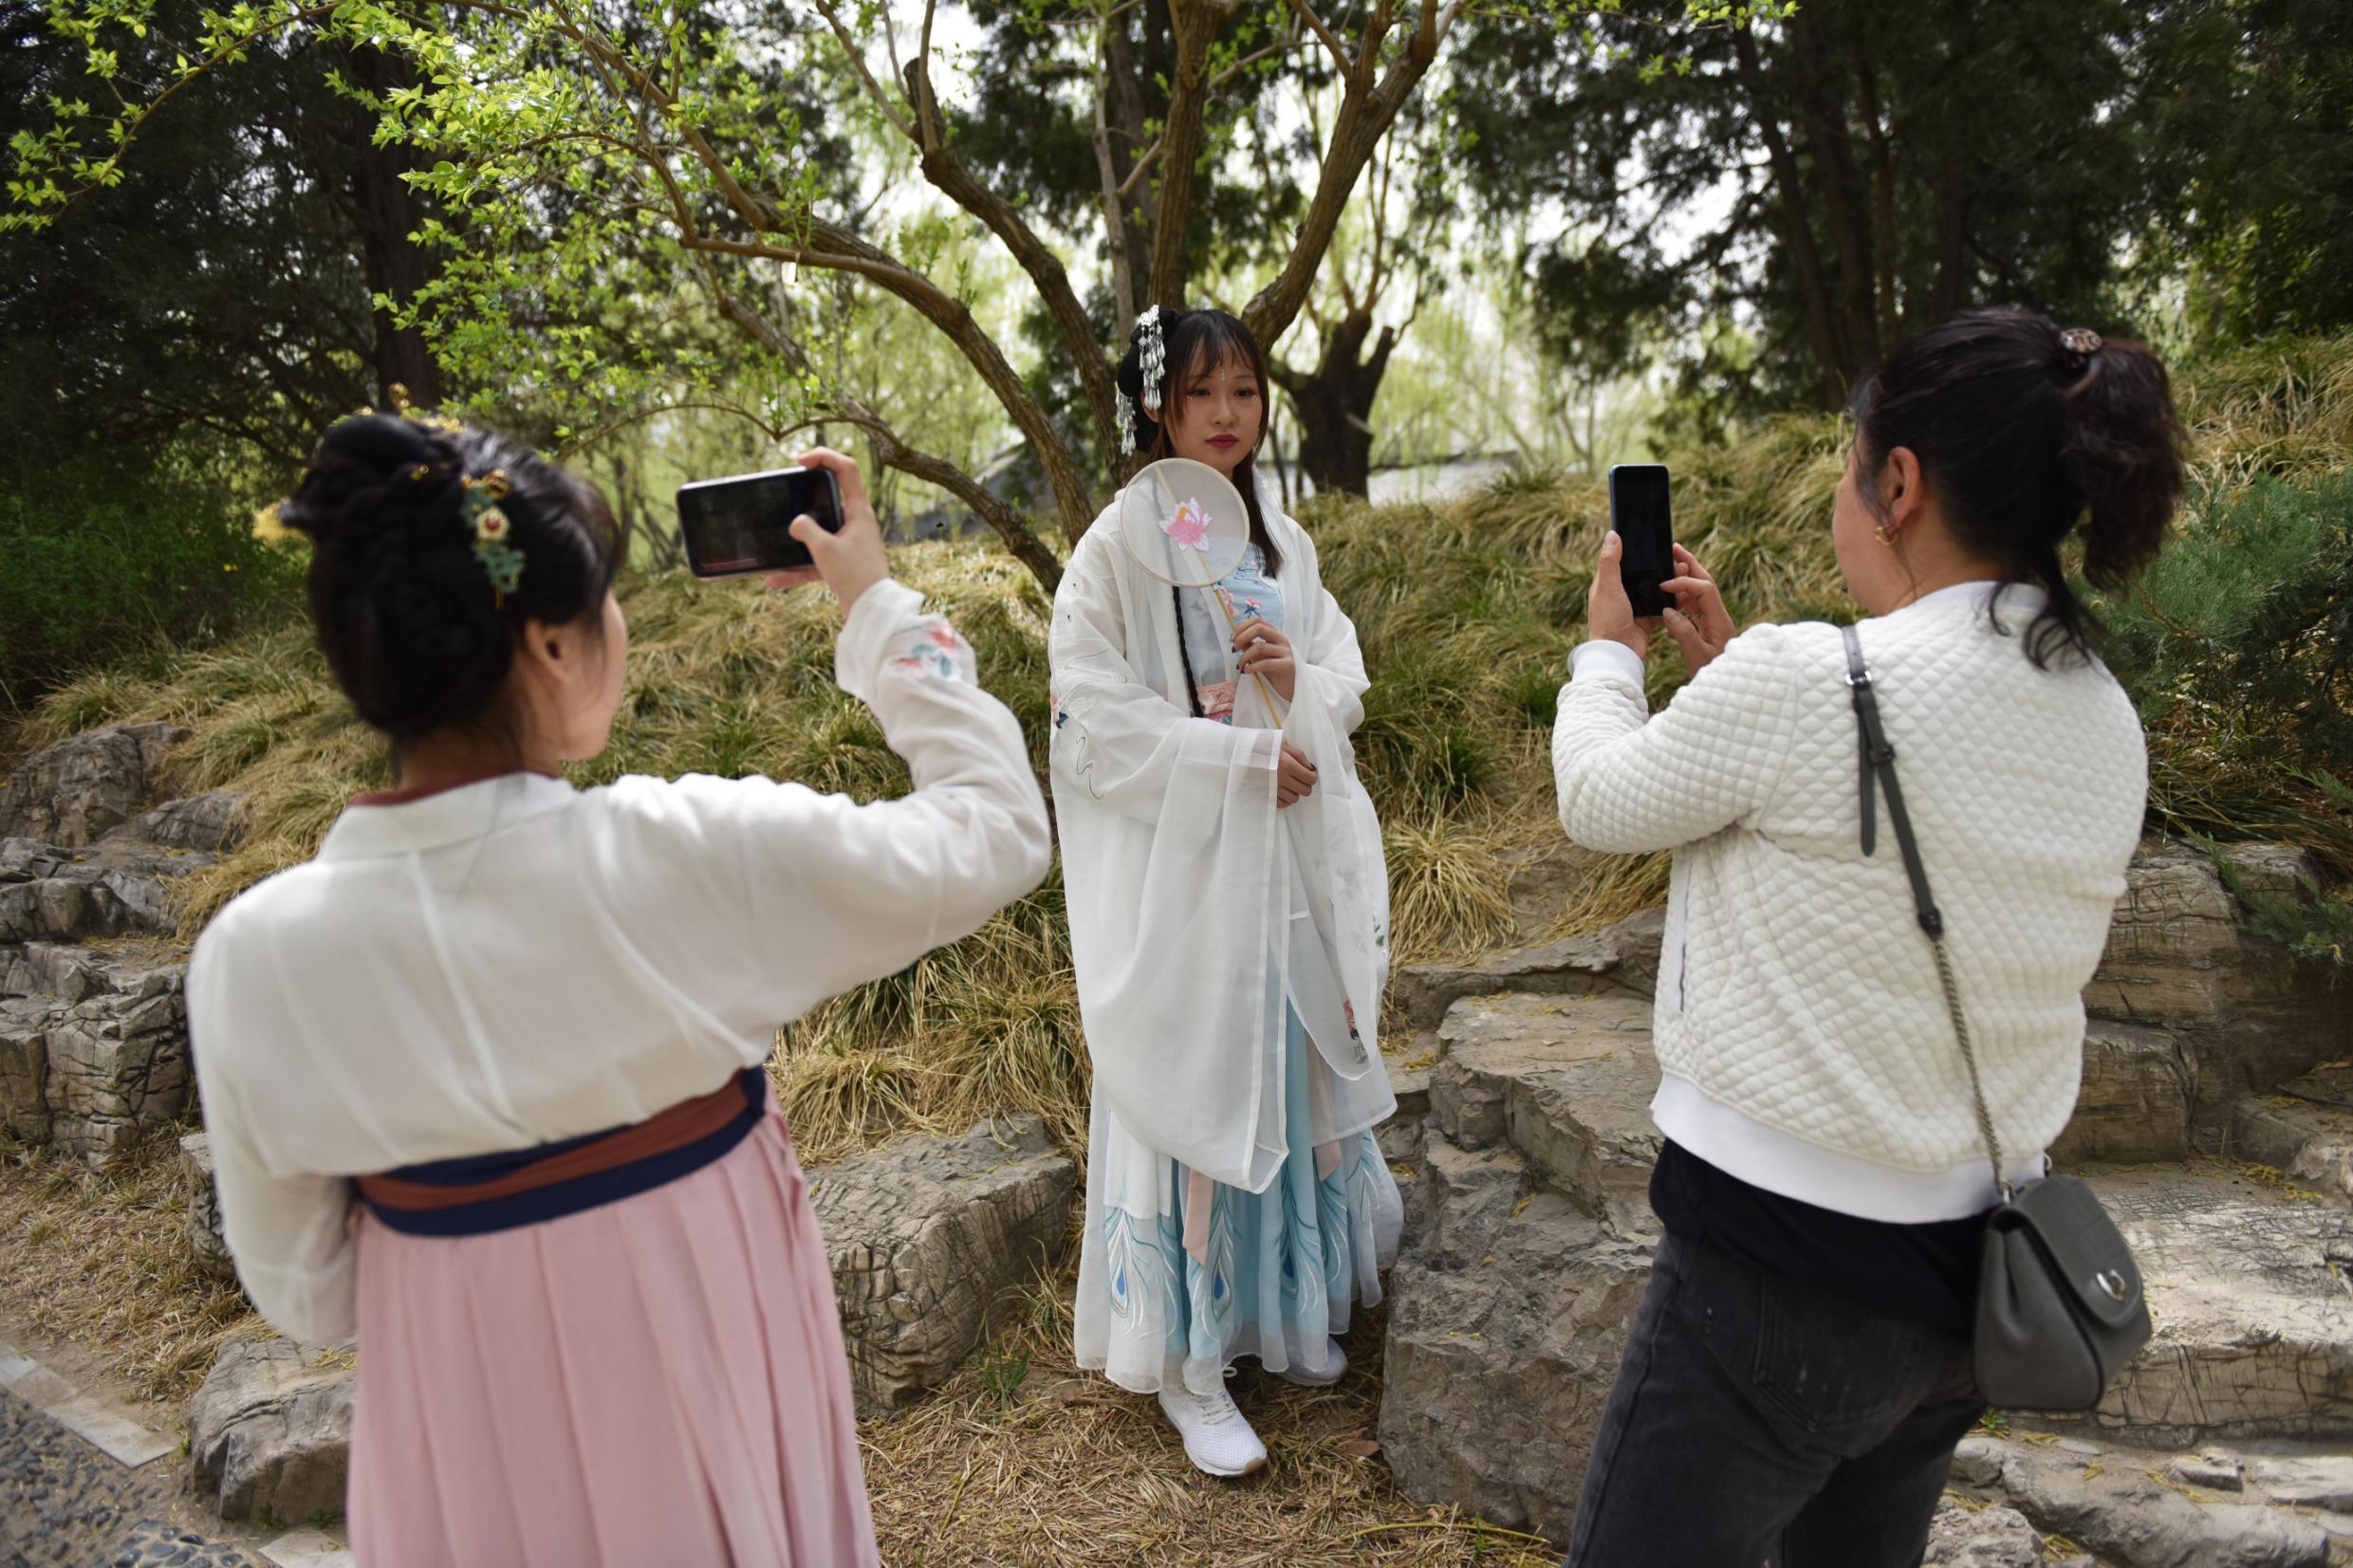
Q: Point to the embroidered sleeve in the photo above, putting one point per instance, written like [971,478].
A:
[934,649]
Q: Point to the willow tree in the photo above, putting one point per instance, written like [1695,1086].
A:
[576,153]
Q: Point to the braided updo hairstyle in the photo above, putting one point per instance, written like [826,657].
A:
[411,625]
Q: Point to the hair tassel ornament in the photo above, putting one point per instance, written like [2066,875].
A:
[493,532]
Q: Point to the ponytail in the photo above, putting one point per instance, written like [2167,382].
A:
[2025,432]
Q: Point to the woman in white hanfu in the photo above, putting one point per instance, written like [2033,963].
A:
[1228,923]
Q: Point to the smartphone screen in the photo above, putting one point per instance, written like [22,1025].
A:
[735,525]
[1639,513]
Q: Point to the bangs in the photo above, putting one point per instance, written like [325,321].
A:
[1209,341]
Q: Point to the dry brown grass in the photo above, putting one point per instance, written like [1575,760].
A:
[1022,1459]
[99,1260]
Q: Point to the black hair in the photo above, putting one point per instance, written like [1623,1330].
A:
[1193,343]
[419,637]
[2023,431]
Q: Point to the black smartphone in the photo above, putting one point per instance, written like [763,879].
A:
[732,526]
[1638,513]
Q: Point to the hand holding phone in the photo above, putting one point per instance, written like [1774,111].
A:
[1628,596]
[794,525]
[849,559]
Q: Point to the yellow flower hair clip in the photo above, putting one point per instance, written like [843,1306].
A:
[492,531]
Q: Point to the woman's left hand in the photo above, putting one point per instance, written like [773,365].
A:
[1266,652]
[1609,614]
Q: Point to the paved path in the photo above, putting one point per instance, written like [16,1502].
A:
[87,1478]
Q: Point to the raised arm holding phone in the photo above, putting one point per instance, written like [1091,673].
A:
[485,1077]
[1855,1079]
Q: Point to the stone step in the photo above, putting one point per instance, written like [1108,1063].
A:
[1565,1082]
[2254,1321]
[2140,1508]
[2304,1129]
[1624,956]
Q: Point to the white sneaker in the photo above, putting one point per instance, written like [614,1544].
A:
[1335,1368]
[1217,1440]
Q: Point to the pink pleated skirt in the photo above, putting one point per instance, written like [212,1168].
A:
[656,1383]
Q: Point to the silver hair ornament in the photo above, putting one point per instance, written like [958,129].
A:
[1151,354]
[1127,425]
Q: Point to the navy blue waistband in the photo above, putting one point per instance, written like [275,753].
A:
[555,1199]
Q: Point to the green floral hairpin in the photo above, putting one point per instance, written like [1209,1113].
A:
[491,530]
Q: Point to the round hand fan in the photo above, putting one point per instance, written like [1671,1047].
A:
[1186,524]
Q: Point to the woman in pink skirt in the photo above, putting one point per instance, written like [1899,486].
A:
[484,1077]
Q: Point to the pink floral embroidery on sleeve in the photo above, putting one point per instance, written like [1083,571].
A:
[933,653]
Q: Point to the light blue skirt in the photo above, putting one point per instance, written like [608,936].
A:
[1278,1271]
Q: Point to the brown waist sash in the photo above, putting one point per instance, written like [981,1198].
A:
[489,1192]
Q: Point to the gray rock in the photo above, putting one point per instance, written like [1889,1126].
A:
[74,792]
[1409,1069]
[1977,1460]
[205,1240]
[2316,1480]
[926,1235]
[1623,957]
[120,888]
[24,1068]
[117,1064]
[2253,1325]
[2138,1086]
[2180,960]
[214,822]
[2304,1129]
[1565,1083]
[1961,1536]
[93,1045]
[1528,1245]
[2125,1514]
[2216,1472]
[1508,1314]
[272,1427]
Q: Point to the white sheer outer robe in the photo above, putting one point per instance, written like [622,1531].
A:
[1183,877]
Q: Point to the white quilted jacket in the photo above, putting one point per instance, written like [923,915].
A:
[1800,1027]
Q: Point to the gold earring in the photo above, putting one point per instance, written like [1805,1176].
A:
[1879,532]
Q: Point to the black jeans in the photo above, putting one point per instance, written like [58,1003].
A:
[1755,1421]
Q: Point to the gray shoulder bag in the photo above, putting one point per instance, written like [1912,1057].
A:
[2059,1303]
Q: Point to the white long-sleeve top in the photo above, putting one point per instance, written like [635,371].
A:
[517,961]
[1802,1035]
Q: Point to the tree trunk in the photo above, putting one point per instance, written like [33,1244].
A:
[1952,289]
[1823,114]
[387,211]
[1790,197]
[1195,23]
[1335,405]
[1883,196]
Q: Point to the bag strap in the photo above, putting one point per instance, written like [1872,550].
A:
[1877,768]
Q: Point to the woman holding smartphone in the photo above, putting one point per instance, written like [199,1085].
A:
[484,1078]
[1800,1369]
[1229,912]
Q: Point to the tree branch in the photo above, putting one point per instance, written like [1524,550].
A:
[890,449]
[1366,112]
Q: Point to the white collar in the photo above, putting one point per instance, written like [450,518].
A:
[447,818]
[1981,592]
